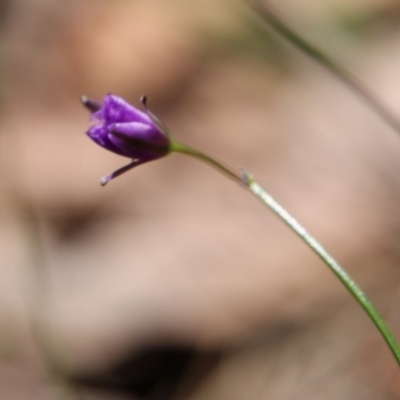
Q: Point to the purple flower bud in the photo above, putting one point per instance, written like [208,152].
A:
[127,131]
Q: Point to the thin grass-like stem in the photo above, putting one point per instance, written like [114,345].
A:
[247,180]
[347,281]
[266,12]
[190,151]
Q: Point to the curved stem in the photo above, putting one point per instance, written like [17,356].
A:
[332,264]
[244,178]
[266,12]
[190,151]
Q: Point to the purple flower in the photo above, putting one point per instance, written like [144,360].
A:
[127,131]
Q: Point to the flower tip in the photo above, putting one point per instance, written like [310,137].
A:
[90,104]
[143,100]
[104,181]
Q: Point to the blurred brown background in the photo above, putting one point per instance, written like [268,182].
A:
[173,254]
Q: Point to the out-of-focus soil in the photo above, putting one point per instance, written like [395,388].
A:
[172,252]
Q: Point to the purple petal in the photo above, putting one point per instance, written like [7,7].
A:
[99,134]
[145,132]
[115,109]
[139,140]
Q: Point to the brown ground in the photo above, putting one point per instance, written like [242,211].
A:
[173,253]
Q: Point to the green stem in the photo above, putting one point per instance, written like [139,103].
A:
[266,12]
[333,265]
[248,181]
[190,151]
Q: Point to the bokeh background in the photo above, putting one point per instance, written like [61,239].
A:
[172,255]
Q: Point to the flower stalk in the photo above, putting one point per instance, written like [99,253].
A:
[190,151]
[348,282]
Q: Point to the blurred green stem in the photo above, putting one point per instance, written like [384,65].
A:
[38,298]
[36,274]
[268,15]
[248,181]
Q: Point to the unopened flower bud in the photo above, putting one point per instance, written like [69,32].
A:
[127,131]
